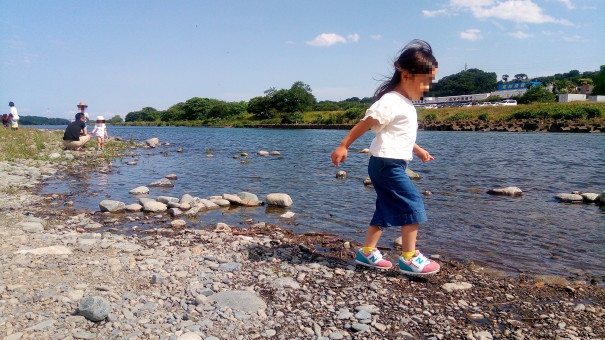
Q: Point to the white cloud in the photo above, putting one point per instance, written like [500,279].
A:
[431,14]
[353,37]
[519,35]
[520,11]
[327,39]
[471,34]
[572,38]
[376,37]
[568,4]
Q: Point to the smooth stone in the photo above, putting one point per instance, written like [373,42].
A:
[230,267]
[341,174]
[246,195]
[244,301]
[366,150]
[186,199]
[279,199]
[263,153]
[112,206]
[289,214]
[52,250]
[164,182]
[367,181]
[508,191]
[178,223]
[94,308]
[285,282]
[142,190]
[175,212]
[154,206]
[167,199]
[135,207]
[31,227]
[411,174]
[126,247]
[359,327]
[153,142]
[233,199]
[274,153]
[173,177]
[590,197]
[222,228]
[220,202]
[452,286]
[569,198]
[189,336]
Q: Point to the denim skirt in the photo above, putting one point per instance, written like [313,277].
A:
[398,202]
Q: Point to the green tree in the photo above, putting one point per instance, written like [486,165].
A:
[520,77]
[599,82]
[133,116]
[260,107]
[505,78]
[465,82]
[537,94]
[115,119]
[300,98]
[149,114]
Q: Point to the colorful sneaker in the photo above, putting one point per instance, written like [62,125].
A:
[418,265]
[372,259]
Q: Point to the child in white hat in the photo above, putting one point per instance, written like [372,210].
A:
[100,131]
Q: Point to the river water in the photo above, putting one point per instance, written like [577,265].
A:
[529,234]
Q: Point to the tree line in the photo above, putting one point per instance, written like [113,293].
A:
[289,105]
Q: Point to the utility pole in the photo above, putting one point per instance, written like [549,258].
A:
[464,67]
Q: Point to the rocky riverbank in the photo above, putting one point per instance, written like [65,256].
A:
[60,270]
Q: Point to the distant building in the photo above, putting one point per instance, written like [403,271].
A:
[571,97]
[585,89]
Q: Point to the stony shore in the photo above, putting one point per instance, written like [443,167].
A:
[260,281]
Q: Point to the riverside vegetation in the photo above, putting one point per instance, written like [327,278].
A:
[65,275]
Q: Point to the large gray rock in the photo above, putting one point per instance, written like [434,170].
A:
[154,206]
[602,199]
[94,308]
[134,207]
[279,199]
[167,199]
[164,182]
[246,195]
[569,198]
[233,199]
[31,227]
[142,190]
[153,142]
[590,197]
[186,198]
[112,206]
[238,299]
[508,191]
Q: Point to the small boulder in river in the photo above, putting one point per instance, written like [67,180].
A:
[367,181]
[154,206]
[341,174]
[508,191]
[411,174]
[274,153]
[139,191]
[152,142]
[246,195]
[164,182]
[590,197]
[569,198]
[172,177]
[263,153]
[94,308]
[112,206]
[279,199]
[366,150]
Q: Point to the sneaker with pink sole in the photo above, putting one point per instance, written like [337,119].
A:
[372,259]
[418,265]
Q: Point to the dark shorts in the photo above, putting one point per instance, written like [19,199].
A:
[398,202]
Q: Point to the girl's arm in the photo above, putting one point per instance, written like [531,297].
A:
[421,153]
[93,131]
[106,135]
[340,153]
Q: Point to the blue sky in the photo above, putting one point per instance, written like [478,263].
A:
[119,56]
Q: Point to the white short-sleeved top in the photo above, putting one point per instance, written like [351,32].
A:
[396,128]
[14,112]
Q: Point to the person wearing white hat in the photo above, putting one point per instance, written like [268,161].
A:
[82,107]
[100,131]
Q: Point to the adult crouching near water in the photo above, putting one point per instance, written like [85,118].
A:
[75,136]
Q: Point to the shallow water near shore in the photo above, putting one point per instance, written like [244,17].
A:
[532,234]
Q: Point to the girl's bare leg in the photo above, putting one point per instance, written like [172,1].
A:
[372,236]
[408,237]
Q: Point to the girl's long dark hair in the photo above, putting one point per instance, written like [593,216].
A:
[416,58]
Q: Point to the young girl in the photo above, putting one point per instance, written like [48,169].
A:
[393,119]
[100,131]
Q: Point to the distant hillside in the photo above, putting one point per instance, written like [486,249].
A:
[35,120]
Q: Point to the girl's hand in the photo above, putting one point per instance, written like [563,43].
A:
[339,155]
[424,155]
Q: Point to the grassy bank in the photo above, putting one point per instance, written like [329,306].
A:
[555,111]
[35,144]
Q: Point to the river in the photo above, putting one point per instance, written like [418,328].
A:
[529,234]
